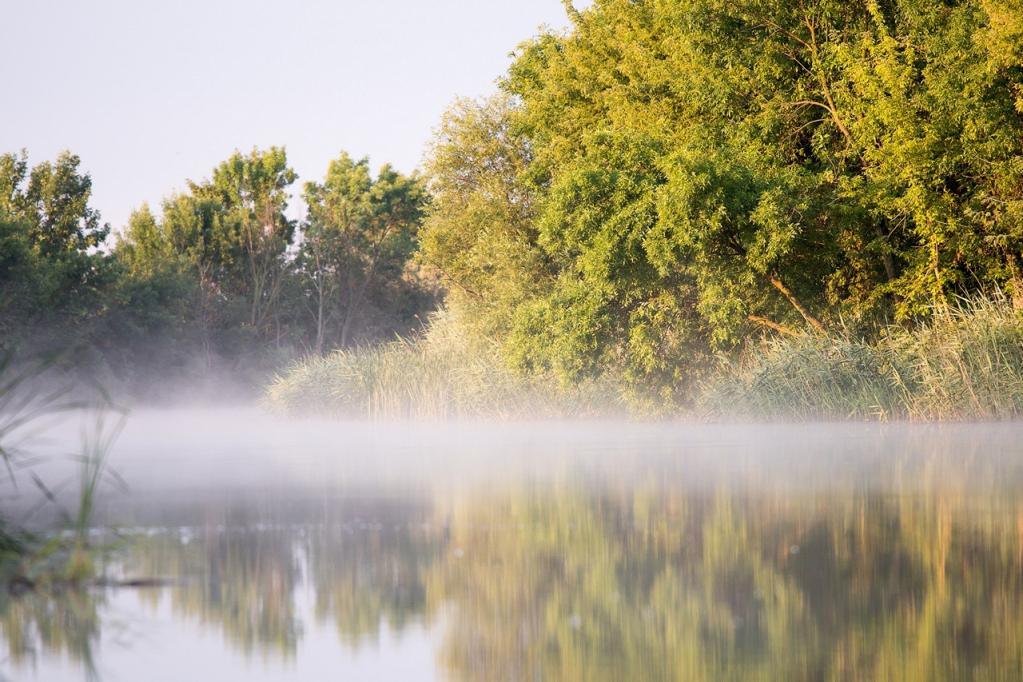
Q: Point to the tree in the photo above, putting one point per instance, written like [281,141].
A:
[53,202]
[251,194]
[222,247]
[479,231]
[20,280]
[360,230]
[336,209]
[701,172]
[53,275]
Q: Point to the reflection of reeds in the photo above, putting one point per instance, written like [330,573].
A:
[440,374]
[966,362]
[42,626]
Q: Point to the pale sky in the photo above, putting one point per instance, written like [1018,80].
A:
[150,93]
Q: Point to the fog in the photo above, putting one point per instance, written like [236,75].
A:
[174,458]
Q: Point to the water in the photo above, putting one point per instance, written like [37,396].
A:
[303,550]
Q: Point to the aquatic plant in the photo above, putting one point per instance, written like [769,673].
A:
[94,470]
[966,363]
[963,362]
[808,377]
[32,396]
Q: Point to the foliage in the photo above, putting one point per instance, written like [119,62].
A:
[664,183]
[53,202]
[359,237]
[676,178]
[218,283]
[51,273]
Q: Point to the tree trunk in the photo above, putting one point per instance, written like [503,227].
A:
[319,319]
[355,299]
[354,302]
[346,328]
[886,256]
[823,80]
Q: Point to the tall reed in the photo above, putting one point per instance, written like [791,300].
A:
[443,373]
[33,396]
[965,362]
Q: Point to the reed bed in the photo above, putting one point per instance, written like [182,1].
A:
[964,363]
[440,374]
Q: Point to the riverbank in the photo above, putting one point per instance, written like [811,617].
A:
[963,363]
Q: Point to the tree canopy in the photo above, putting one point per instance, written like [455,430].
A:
[684,175]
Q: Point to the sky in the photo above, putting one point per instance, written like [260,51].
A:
[150,93]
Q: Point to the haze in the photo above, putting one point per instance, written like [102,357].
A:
[150,94]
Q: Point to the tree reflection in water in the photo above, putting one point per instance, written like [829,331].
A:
[649,581]
[369,573]
[671,587]
[241,580]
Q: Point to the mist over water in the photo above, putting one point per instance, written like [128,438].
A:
[247,448]
[302,549]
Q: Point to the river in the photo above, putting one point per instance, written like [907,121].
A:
[260,548]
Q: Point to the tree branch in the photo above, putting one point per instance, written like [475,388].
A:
[791,298]
[780,328]
[815,53]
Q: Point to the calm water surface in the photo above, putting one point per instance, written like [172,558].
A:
[585,552]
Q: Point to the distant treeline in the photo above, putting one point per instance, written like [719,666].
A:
[220,281]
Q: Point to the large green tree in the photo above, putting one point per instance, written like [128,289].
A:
[250,192]
[690,173]
[52,202]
